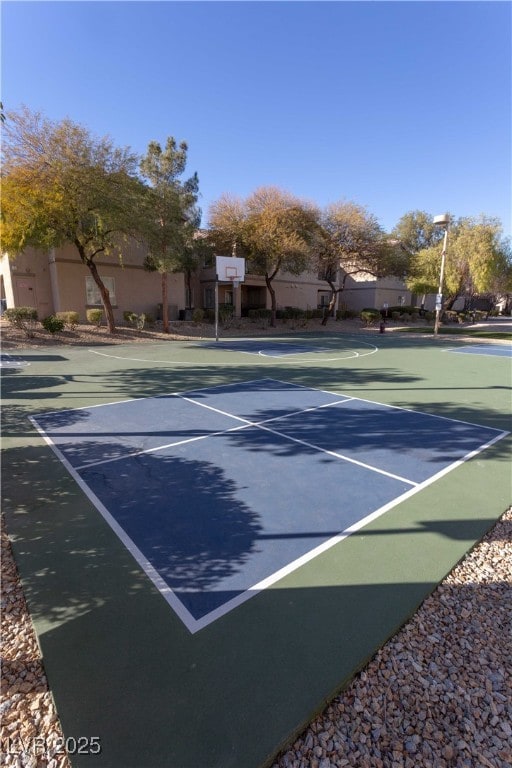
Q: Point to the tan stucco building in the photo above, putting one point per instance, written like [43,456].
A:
[57,281]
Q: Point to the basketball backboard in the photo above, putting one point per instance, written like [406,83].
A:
[229,269]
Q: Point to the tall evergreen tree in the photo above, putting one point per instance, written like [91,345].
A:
[171,214]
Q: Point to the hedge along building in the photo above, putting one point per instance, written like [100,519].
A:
[57,281]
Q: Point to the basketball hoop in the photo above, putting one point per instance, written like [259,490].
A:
[228,269]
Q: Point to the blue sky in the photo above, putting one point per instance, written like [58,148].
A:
[397,106]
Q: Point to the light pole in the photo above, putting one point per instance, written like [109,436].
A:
[441,221]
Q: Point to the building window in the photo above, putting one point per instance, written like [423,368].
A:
[93,295]
[209,298]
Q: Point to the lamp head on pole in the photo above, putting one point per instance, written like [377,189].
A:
[442,221]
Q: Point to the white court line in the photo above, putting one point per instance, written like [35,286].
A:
[145,360]
[246,423]
[12,361]
[168,395]
[469,350]
[134,454]
[352,354]
[268,358]
[338,455]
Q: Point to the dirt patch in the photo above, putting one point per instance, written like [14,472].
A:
[87,335]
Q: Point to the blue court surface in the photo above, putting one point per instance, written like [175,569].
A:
[12,361]
[220,492]
[494,350]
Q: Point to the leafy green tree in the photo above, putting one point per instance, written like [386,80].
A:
[416,231]
[171,215]
[351,241]
[477,258]
[272,228]
[227,218]
[62,185]
[500,287]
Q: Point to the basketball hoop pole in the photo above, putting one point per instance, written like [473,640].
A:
[216,307]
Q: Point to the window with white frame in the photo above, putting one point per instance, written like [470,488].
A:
[92,292]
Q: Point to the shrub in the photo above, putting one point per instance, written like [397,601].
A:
[346,314]
[297,316]
[401,308]
[94,316]
[293,313]
[53,324]
[24,318]
[259,314]
[369,316]
[198,315]
[129,317]
[137,321]
[225,313]
[70,319]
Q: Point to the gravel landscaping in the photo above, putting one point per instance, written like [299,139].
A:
[437,695]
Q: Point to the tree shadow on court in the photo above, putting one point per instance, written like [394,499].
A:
[23,395]
[153,381]
[184,516]
[187,519]
[19,386]
[395,440]
[371,383]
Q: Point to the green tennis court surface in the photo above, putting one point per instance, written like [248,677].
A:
[291,506]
